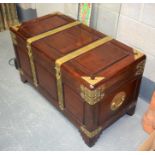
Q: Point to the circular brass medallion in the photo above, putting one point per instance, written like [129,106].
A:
[118,100]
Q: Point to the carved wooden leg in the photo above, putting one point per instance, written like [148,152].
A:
[90,137]
[131,111]
[89,141]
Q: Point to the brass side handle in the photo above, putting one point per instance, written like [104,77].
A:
[118,100]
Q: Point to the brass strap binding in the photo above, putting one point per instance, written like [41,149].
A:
[51,32]
[70,56]
[33,70]
[91,134]
[41,36]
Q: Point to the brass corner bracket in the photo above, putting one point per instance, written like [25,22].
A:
[16,27]
[137,54]
[92,96]
[140,68]
[91,81]
[13,37]
[91,134]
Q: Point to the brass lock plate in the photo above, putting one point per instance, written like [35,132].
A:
[118,100]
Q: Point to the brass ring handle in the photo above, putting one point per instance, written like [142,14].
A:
[118,100]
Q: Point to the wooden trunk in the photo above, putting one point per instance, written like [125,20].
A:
[90,77]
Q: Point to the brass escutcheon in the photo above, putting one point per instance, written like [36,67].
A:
[118,100]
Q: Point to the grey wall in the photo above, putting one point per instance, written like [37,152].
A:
[136,27]
[26,11]
[105,18]
[70,9]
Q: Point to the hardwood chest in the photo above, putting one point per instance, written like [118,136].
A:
[91,78]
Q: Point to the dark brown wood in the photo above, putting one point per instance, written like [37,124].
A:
[131,111]
[90,141]
[113,60]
